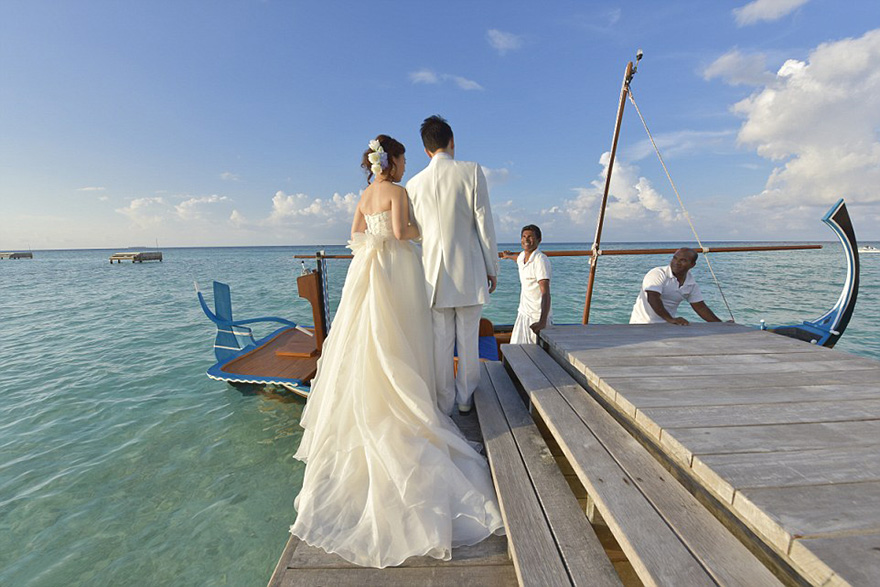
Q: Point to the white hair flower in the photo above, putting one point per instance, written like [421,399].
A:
[378,158]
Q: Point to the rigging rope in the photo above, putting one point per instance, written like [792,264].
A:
[687,216]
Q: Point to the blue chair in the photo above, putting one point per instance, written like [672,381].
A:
[232,335]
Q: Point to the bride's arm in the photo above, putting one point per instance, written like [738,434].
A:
[403,228]
[359,223]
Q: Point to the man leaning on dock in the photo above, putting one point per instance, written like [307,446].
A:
[664,288]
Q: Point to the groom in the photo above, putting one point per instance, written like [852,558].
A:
[450,203]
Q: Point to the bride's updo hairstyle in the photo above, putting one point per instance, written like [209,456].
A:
[392,147]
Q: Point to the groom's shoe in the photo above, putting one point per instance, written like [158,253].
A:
[464,408]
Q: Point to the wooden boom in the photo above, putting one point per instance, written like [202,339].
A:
[609,252]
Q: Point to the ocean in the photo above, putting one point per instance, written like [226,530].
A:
[121,463]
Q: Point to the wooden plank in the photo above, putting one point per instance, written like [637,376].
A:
[695,340]
[492,551]
[614,358]
[751,414]
[706,396]
[814,511]
[717,549]
[724,473]
[281,568]
[772,372]
[486,576]
[263,361]
[584,556]
[650,545]
[845,560]
[297,344]
[867,377]
[684,443]
[533,550]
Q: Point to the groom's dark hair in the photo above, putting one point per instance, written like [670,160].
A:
[436,133]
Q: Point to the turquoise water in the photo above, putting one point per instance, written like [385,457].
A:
[122,463]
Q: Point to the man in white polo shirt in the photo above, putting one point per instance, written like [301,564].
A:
[534,313]
[664,288]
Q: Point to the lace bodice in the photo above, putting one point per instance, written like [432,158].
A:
[379,224]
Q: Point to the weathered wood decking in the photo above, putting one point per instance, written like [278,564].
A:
[780,440]
[483,565]
[784,435]
[136,257]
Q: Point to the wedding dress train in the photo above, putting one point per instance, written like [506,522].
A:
[388,476]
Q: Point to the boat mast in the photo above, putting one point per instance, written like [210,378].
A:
[627,78]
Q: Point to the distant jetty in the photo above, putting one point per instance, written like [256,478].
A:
[137,257]
[17,255]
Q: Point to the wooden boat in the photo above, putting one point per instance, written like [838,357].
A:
[286,358]
[826,330]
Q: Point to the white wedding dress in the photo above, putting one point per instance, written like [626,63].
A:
[388,476]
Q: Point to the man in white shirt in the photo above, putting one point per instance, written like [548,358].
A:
[664,288]
[534,313]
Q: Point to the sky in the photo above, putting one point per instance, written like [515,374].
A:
[228,123]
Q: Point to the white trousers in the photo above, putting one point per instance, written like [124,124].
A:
[456,327]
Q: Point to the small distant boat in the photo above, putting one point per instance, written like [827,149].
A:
[868,249]
[17,255]
[138,257]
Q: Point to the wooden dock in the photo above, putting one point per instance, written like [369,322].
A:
[712,454]
[17,255]
[783,436]
[136,257]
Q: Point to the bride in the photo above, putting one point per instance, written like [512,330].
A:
[388,476]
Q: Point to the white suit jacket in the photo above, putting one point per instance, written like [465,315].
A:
[450,203]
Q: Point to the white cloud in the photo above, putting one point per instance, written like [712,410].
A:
[300,218]
[613,15]
[631,199]
[502,41]
[765,10]
[302,208]
[151,211]
[496,176]
[192,209]
[229,176]
[146,212]
[464,83]
[818,119]
[426,76]
[90,189]
[680,143]
[737,68]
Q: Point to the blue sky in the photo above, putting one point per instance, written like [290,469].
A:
[242,123]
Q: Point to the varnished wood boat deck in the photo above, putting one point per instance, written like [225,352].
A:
[272,359]
[784,435]
[483,565]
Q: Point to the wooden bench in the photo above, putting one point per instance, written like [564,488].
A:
[667,535]
[549,538]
